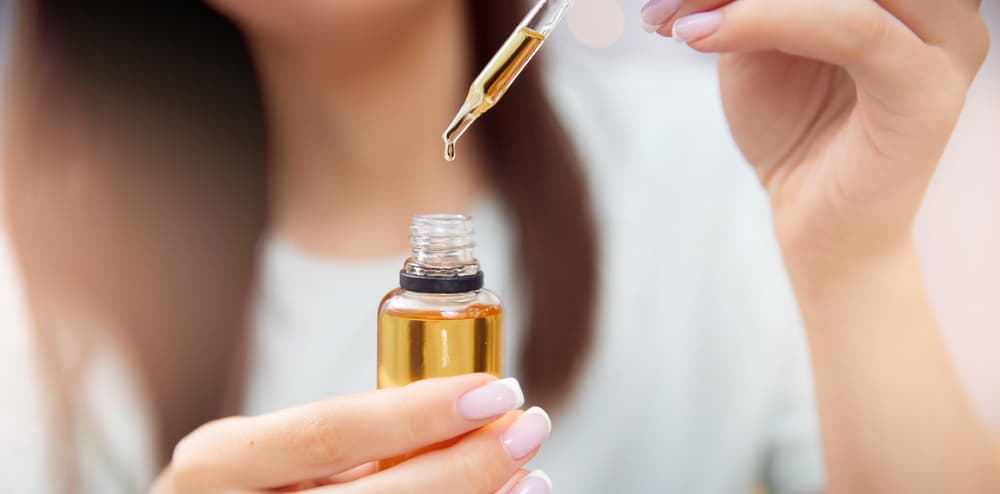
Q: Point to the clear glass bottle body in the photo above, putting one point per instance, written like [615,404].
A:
[441,321]
[425,335]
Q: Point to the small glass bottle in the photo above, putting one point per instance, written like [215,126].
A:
[440,322]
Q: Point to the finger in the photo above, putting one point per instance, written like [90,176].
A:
[354,473]
[509,485]
[882,55]
[348,476]
[955,25]
[935,21]
[659,15]
[370,468]
[481,463]
[938,22]
[535,482]
[325,438]
[168,483]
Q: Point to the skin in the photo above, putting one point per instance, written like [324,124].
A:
[330,446]
[843,108]
[356,113]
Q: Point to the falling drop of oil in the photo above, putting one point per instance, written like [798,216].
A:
[449,151]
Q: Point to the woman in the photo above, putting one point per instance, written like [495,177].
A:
[678,371]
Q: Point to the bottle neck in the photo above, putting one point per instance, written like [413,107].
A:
[441,259]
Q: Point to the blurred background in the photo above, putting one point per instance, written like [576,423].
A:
[958,229]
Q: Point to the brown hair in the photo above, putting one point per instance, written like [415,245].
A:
[172,206]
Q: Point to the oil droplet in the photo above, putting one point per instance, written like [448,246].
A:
[449,151]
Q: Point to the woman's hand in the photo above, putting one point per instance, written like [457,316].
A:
[331,446]
[843,107]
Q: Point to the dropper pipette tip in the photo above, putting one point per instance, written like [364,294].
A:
[463,120]
[449,150]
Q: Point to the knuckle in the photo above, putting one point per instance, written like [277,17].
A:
[480,469]
[866,32]
[184,480]
[469,474]
[321,437]
[422,427]
[943,93]
[184,474]
[417,427]
[979,41]
[191,463]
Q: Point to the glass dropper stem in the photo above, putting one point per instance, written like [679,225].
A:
[499,74]
[546,15]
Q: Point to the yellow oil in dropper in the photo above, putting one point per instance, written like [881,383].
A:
[498,75]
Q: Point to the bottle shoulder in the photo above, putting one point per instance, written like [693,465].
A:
[479,303]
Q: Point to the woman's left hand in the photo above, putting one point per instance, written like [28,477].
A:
[843,107]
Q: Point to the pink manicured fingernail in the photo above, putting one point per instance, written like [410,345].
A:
[697,26]
[536,482]
[527,433]
[657,12]
[491,400]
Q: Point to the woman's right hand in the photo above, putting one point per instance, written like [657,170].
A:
[843,108]
[330,446]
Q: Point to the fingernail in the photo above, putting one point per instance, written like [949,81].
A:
[697,26]
[657,12]
[491,400]
[536,482]
[527,433]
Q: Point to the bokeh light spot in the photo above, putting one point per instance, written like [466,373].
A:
[597,23]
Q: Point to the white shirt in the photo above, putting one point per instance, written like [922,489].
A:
[699,381]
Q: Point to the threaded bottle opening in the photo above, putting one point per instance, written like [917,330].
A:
[442,259]
[442,240]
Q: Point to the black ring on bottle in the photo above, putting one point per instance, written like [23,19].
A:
[429,284]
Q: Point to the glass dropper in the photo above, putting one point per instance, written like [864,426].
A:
[498,75]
